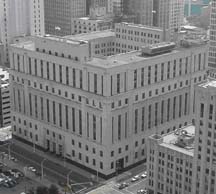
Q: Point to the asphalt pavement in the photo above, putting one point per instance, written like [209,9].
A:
[54,171]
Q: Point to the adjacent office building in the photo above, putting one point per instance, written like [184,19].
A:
[131,36]
[98,112]
[5,106]
[205,150]
[212,48]
[101,43]
[59,13]
[20,18]
[170,161]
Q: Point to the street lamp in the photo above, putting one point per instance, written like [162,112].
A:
[9,151]
[25,168]
[42,162]
[68,177]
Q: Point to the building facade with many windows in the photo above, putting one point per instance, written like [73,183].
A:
[170,162]
[131,36]
[98,112]
[86,25]
[212,48]
[59,13]
[101,43]
[20,18]
[5,105]
[205,149]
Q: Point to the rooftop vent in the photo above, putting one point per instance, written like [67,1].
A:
[184,138]
[159,48]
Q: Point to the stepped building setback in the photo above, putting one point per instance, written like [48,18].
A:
[98,112]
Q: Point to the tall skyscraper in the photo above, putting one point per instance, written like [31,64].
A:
[205,140]
[58,15]
[212,48]
[20,18]
[168,14]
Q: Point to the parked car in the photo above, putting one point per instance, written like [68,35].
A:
[135,178]
[31,168]
[18,172]
[123,185]
[143,176]
[142,191]
[13,159]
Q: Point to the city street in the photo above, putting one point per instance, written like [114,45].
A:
[53,171]
[112,188]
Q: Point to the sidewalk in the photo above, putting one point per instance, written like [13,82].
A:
[20,166]
[57,160]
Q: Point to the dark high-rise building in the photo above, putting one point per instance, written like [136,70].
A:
[58,15]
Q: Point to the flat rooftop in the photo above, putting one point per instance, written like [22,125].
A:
[90,19]
[132,25]
[91,35]
[176,140]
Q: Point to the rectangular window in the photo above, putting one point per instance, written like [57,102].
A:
[81,79]
[95,83]
[174,107]
[136,121]
[186,102]
[168,70]
[41,65]
[80,122]
[74,78]
[112,130]
[48,111]
[180,67]
[30,69]
[210,111]
[102,85]
[60,114]
[54,113]
[36,107]
[94,127]
[156,113]
[35,67]
[143,118]
[66,117]
[19,100]
[180,105]
[42,110]
[142,77]
[48,74]
[156,73]
[162,71]
[118,83]
[60,73]
[201,110]
[186,65]
[168,109]
[149,117]
[135,78]
[199,62]
[54,72]
[119,127]
[149,75]
[101,130]
[73,119]
[67,75]
[87,124]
